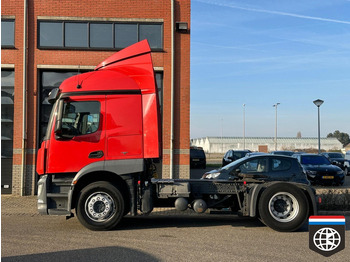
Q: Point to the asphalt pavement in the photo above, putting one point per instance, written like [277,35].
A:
[164,235]
[161,236]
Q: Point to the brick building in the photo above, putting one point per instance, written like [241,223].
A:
[45,41]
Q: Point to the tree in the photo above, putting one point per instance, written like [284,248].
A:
[342,137]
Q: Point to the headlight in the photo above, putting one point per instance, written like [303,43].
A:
[311,173]
[212,175]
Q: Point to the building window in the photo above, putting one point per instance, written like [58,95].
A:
[7,103]
[101,35]
[159,81]
[8,33]
[76,35]
[152,34]
[93,35]
[125,35]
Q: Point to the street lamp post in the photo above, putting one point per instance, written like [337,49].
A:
[222,134]
[243,126]
[318,103]
[275,106]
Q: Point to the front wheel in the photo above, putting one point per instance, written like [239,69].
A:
[346,171]
[100,206]
[283,207]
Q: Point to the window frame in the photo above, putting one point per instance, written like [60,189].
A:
[14,35]
[89,47]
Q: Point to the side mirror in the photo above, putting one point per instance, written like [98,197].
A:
[237,171]
[53,95]
[58,123]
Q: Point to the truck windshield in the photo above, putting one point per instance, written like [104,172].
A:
[49,125]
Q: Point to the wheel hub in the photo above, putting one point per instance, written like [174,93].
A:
[99,206]
[283,207]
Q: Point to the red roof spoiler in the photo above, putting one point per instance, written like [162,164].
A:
[132,51]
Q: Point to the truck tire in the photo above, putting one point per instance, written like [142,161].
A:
[100,206]
[283,207]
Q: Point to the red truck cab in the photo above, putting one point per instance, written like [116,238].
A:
[104,126]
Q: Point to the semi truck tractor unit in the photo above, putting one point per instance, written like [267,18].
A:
[103,138]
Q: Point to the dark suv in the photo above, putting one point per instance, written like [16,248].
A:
[338,159]
[320,170]
[197,158]
[233,155]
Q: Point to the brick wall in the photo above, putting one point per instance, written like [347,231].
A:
[103,10]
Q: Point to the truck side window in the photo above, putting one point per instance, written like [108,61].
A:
[80,118]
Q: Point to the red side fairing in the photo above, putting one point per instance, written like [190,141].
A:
[124,138]
[152,134]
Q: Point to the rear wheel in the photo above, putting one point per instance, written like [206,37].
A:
[100,206]
[283,207]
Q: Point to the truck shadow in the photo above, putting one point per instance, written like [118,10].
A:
[93,254]
[183,221]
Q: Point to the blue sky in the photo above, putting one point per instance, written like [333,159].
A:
[260,53]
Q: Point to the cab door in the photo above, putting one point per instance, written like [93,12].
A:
[81,139]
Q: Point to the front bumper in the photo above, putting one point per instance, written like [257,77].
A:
[42,196]
[54,196]
[324,180]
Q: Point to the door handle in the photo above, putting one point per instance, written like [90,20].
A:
[96,154]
